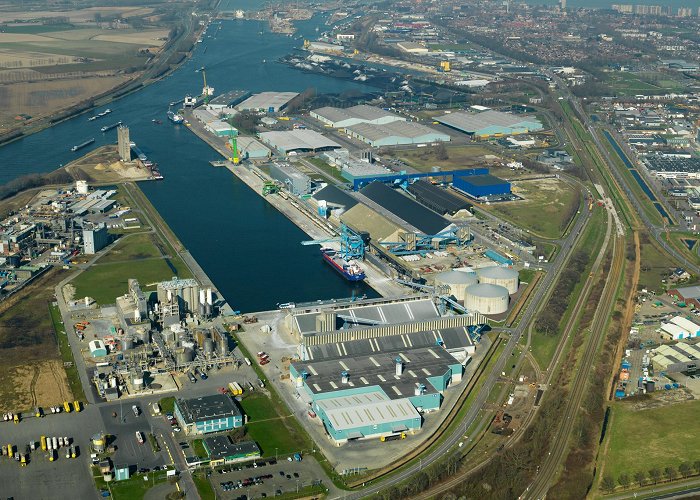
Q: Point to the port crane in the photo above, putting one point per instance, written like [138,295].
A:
[352,246]
[233,145]
[207,91]
[412,243]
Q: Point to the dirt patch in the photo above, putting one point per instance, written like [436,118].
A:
[664,398]
[25,387]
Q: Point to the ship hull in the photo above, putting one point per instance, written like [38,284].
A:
[340,270]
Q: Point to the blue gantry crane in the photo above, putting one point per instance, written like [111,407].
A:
[412,243]
[352,246]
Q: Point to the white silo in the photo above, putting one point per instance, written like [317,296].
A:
[497,275]
[486,298]
[456,281]
[399,366]
[210,300]
[81,187]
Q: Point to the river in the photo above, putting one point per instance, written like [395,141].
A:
[250,251]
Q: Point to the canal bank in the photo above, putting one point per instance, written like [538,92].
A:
[300,215]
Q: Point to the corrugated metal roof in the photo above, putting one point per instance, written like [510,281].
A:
[473,122]
[290,140]
[408,130]
[437,199]
[351,416]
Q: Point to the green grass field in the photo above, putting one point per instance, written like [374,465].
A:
[626,83]
[106,282]
[133,488]
[654,267]
[326,168]
[276,437]
[545,210]
[658,437]
[135,247]
[167,405]
[258,407]
[204,488]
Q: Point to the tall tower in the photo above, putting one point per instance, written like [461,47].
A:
[562,4]
[123,143]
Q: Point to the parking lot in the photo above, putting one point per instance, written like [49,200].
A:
[282,477]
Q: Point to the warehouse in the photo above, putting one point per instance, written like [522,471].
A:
[221,450]
[437,199]
[479,186]
[298,141]
[294,181]
[403,207]
[679,357]
[251,148]
[395,133]
[490,123]
[671,331]
[331,200]
[267,102]
[227,100]
[366,415]
[362,218]
[692,329]
[221,129]
[413,47]
[346,117]
[207,414]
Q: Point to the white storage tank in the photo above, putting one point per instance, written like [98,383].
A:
[486,298]
[81,187]
[496,275]
[457,282]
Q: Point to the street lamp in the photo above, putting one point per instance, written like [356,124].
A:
[275,454]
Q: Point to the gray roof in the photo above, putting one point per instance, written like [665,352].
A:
[398,312]
[455,277]
[472,122]
[220,447]
[379,369]
[453,339]
[351,412]
[334,196]
[497,272]
[265,100]
[207,408]
[487,290]
[359,112]
[689,292]
[290,140]
[410,130]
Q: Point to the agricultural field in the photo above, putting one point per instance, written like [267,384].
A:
[33,371]
[546,208]
[625,83]
[643,436]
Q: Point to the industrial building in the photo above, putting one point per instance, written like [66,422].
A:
[679,328]
[497,275]
[490,123]
[267,102]
[346,117]
[221,450]
[369,370]
[417,216]
[298,141]
[413,47]
[214,413]
[252,149]
[296,182]
[676,358]
[97,348]
[395,133]
[351,166]
[95,238]
[479,186]
[227,100]
[486,298]
[438,199]
[221,128]
[332,201]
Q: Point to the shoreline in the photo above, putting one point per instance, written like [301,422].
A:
[254,179]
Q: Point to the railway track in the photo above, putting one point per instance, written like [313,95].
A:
[548,471]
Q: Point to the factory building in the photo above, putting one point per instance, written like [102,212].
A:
[676,358]
[346,117]
[95,238]
[227,100]
[221,450]
[395,133]
[438,199]
[351,166]
[296,182]
[97,348]
[267,102]
[490,123]
[215,413]
[413,48]
[298,141]
[366,415]
[497,275]
[679,328]
[252,149]
[221,128]
[486,298]
[179,296]
[478,186]
[417,216]
[456,282]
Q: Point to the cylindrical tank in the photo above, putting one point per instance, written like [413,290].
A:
[210,297]
[207,310]
[144,335]
[81,187]
[127,343]
[222,345]
[98,443]
[344,377]
[650,386]
[486,298]
[456,281]
[208,347]
[107,476]
[184,356]
[138,382]
[496,275]
[113,381]
[399,366]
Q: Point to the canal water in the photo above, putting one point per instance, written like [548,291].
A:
[250,250]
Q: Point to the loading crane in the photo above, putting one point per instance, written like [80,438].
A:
[417,243]
[207,91]
[352,246]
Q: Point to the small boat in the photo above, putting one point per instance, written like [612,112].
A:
[110,127]
[157,122]
[82,144]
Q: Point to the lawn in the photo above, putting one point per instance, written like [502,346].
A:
[326,168]
[657,437]
[76,387]
[258,407]
[204,488]
[655,265]
[106,282]
[677,241]
[133,488]
[546,209]
[167,405]
[198,448]
[647,83]
[277,437]
[542,347]
[134,247]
